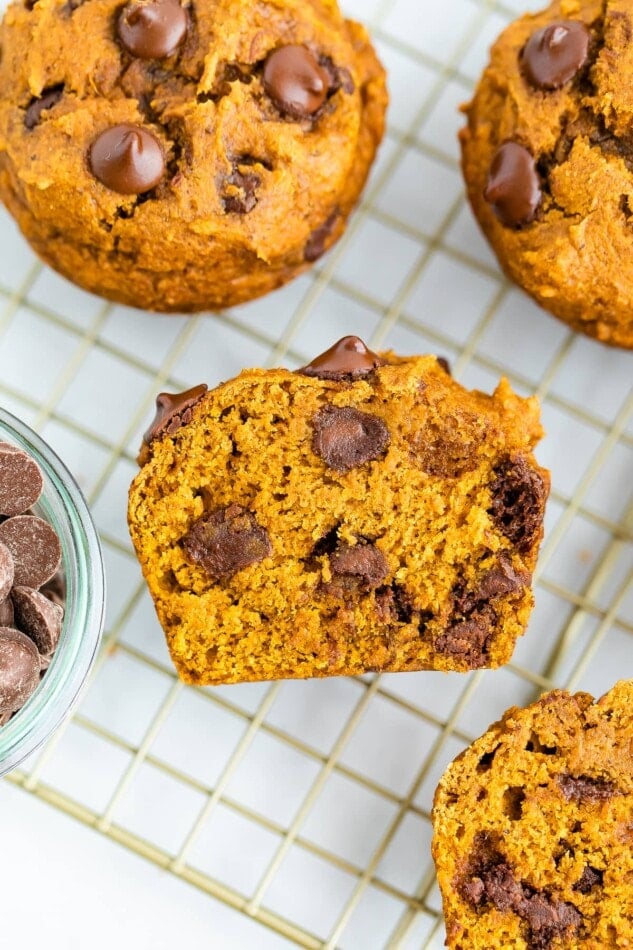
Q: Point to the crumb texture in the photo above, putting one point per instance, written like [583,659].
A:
[161,169]
[299,526]
[533,828]
[548,161]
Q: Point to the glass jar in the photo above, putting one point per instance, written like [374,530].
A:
[64,507]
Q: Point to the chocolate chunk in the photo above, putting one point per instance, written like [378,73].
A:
[547,920]
[514,187]
[127,159]
[469,639]
[38,617]
[317,243]
[344,437]
[226,541]
[35,549]
[7,615]
[39,104]
[6,575]
[501,580]
[21,482]
[585,789]
[555,54]
[240,189]
[19,669]
[394,603]
[590,878]
[173,410]
[295,81]
[152,30]
[518,502]
[364,564]
[346,360]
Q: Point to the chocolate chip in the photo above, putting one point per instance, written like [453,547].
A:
[518,502]
[127,159]
[226,541]
[240,189]
[590,878]
[317,243]
[39,104]
[344,437]
[365,564]
[446,366]
[35,549]
[295,81]
[7,616]
[6,575]
[152,30]
[346,360]
[514,187]
[19,669]
[21,482]
[501,580]
[394,604]
[555,54]
[585,789]
[547,920]
[173,410]
[38,617]
[55,589]
[469,639]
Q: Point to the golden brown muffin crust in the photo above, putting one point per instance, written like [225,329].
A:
[251,194]
[574,257]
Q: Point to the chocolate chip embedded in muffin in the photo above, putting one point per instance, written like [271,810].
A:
[348,359]
[173,410]
[361,564]
[152,30]
[127,159]
[40,104]
[586,788]
[319,241]
[226,541]
[344,437]
[518,501]
[295,81]
[514,187]
[554,54]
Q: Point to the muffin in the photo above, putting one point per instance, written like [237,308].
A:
[185,157]
[364,513]
[532,828]
[548,162]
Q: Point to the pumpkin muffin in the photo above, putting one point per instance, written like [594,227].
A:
[181,157]
[364,513]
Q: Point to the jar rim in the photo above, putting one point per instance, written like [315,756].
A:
[63,505]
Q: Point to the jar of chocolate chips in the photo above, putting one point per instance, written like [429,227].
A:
[52,591]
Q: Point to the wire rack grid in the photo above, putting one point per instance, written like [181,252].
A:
[327,786]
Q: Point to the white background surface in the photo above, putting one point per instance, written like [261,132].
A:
[412,274]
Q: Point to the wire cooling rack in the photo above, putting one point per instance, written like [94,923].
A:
[307,805]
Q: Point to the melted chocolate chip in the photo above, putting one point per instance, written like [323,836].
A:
[173,410]
[295,81]
[38,617]
[48,99]
[586,790]
[345,438]
[514,187]
[590,878]
[240,190]
[365,564]
[317,243]
[127,159]
[346,360]
[492,881]
[394,604]
[501,580]
[19,669]
[469,639]
[518,502]
[35,549]
[554,55]
[226,541]
[21,482]
[152,30]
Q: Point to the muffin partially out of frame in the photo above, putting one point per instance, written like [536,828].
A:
[182,157]
[533,829]
[363,513]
